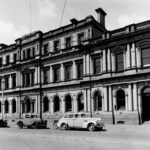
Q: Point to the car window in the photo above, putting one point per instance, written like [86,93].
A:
[83,115]
[76,115]
[70,116]
[66,116]
[27,116]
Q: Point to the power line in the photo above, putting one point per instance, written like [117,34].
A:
[62,13]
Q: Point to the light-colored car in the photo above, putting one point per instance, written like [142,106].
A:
[32,121]
[79,120]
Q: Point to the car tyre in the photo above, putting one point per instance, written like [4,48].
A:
[20,125]
[63,126]
[55,125]
[91,127]
[35,126]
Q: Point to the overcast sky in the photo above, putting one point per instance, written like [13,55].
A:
[46,14]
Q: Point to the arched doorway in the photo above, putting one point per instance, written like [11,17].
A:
[68,103]
[13,106]
[97,101]
[56,104]
[6,106]
[120,95]
[28,106]
[80,102]
[146,104]
[46,104]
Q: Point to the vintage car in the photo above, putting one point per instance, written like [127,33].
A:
[30,121]
[3,123]
[79,120]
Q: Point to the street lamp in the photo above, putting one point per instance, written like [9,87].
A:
[2,86]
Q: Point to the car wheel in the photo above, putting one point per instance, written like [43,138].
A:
[55,125]
[35,126]
[91,127]
[63,126]
[20,125]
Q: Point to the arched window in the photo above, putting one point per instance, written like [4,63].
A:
[46,104]
[97,102]
[56,104]
[80,102]
[6,106]
[68,103]
[120,100]
[13,106]
[28,106]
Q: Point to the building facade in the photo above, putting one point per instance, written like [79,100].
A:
[80,67]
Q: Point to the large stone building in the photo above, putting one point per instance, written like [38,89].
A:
[79,67]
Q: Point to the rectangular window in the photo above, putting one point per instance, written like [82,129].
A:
[13,81]
[32,78]
[27,79]
[145,57]
[1,62]
[119,62]
[14,57]
[56,74]
[7,60]
[24,54]
[28,53]
[68,42]
[45,76]
[80,70]
[68,72]
[96,65]
[33,51]
[45,49]
[80,38]
[6,82]
[56,45]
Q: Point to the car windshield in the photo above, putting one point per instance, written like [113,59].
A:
[33,116]
[83,115]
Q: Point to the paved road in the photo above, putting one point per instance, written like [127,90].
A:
[32,139]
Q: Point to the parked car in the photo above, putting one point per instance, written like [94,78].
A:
[79,120]
[3,123]
[30,121]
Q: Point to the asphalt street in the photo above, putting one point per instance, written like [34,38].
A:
[113,138]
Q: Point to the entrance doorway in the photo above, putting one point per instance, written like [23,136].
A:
[146,104]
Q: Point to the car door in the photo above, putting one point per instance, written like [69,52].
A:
[26,120]
[70,120]
[78,121]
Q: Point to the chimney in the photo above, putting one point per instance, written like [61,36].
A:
[101,16]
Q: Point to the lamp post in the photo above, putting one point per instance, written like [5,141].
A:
[3,82]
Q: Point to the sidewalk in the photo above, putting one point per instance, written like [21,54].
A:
[132,128]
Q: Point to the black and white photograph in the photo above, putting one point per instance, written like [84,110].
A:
[74,75]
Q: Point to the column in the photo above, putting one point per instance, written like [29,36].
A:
[85,101]
[18,79]
[110,98]
[74,70]
[75,104]
[51,74]
[38,74]
[104,61]
[3,106]
[87,64]
[91,66]
[52,106]
[133,56]
[31,107]
[128,57]
[62,72]
[138,57]
[135,97]
[10,81]
[105,98]
[108,60]
[129,97]
[84,64]
[10,106]
[113,62]
[63,106]
[124,59]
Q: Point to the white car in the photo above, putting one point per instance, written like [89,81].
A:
[79,120]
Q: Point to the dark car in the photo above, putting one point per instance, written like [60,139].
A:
[32,121]
[3,123]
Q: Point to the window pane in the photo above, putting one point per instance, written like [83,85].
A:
[96,65]
[119,62]
[146,56]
